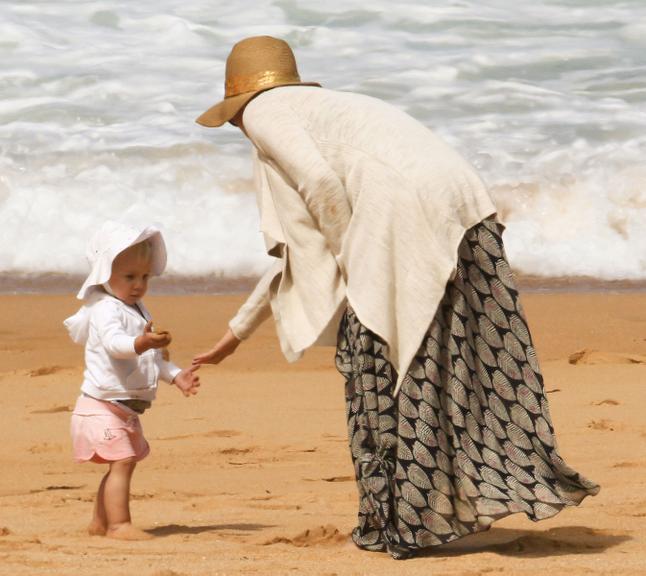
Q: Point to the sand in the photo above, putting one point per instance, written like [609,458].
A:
[253,475]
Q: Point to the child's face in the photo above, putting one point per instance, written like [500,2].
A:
[130,272]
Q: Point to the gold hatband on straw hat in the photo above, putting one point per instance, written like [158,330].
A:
[254,65]
[266,79]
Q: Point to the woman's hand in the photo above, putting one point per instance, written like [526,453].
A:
[226,346]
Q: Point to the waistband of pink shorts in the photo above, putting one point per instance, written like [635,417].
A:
[87,406]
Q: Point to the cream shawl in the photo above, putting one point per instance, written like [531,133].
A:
[361,203]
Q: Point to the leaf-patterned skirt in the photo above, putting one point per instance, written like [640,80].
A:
[469,438]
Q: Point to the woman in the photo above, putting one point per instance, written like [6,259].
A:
[386,242]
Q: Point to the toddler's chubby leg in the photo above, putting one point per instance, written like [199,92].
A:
[99,524]
[116,491]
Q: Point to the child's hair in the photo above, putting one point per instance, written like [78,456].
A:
[142,250]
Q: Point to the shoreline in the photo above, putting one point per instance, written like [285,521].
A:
[212,284]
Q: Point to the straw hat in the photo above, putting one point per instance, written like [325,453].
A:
[112,239]
[254,65]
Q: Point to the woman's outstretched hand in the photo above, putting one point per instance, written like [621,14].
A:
[226,346]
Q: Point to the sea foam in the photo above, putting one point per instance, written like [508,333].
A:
[99,98]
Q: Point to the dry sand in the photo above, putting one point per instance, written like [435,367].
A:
[253,476]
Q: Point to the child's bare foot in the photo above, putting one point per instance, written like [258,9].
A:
[127,532]
[96,528]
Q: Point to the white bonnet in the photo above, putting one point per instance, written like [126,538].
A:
[110,240]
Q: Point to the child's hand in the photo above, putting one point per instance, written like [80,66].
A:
[150,339]
[187,381]
[226,346]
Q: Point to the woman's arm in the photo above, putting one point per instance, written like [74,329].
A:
[256,308]
[251,314]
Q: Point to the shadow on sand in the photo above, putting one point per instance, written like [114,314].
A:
[172,529]
[532,543]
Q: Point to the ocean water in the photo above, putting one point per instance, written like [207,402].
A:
[547,98]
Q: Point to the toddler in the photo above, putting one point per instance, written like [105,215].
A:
[124,358]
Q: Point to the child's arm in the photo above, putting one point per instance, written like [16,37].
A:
[150,339]
[187,381]
[117,342]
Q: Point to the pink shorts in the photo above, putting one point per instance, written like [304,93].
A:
[103,432]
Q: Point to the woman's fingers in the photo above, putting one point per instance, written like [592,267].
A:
[226,346]
[210,357]
[199,359]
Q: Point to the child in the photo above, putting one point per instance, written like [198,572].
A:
[123,361]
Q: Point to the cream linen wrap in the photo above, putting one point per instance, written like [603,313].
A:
[361,203]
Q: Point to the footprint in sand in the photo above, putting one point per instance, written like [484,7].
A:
[264,503]
[44,448]
[601,425]
[52,410]
[242,452]
[45,370]
[267,497]
[221,433]
[87,498]
[338,479]
[627,465]
[210,434]
[54,488]
[608,401]
[142,496]
[331,479]
[236,451]
[333,437]
[327,535]
[296,450]
[587,356]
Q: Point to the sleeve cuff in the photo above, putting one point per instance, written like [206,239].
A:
[240,331]
[173,371]
[168,371]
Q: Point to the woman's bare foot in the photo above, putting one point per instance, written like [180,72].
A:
[96,528]
[127,531]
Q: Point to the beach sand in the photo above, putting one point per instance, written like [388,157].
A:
[253,475]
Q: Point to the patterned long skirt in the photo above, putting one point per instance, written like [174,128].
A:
[469,438]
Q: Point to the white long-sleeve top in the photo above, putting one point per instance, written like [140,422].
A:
[113,370]
[361,204]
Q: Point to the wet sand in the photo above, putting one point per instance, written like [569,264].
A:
[253,475]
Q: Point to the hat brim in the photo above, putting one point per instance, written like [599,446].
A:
[225,110]
[102,269]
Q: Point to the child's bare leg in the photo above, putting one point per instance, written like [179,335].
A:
[117,502]
[99,524]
